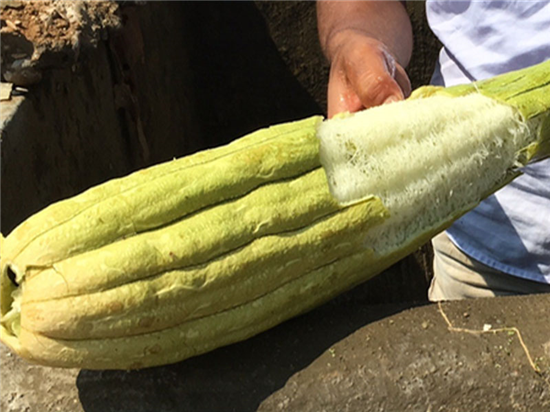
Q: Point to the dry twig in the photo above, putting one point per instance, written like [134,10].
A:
[513,329]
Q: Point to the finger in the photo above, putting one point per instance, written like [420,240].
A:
[341,98]
[374,84]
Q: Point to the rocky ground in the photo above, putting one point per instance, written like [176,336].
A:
[344,356]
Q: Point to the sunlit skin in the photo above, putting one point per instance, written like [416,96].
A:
[368,44]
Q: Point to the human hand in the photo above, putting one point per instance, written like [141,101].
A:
[363,74]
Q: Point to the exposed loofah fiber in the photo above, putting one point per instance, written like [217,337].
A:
[424,158]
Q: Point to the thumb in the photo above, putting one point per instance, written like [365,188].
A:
[375,84]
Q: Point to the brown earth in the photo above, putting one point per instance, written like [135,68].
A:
[41,34]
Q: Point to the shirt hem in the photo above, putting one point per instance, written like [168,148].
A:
[494,264]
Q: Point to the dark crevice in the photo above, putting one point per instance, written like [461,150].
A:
[12,276]
[526,91]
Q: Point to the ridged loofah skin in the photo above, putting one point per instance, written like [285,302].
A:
[187,256]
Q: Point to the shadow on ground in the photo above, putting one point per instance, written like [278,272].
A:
[235,378]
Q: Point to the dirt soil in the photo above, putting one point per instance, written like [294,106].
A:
[41,34]
[344,356]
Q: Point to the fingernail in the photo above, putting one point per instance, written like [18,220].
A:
[391,99]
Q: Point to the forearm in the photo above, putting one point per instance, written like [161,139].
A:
[385,21]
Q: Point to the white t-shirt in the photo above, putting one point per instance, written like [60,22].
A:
[509,231]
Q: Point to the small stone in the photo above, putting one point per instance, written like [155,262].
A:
[11,25]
